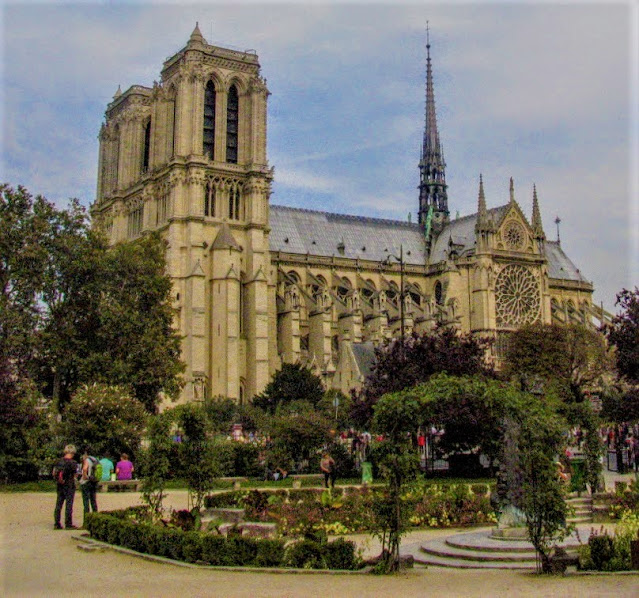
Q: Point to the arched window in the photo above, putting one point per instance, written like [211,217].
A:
[439,293]
[232,114]
[208,132]
[209,199]
[171,115]
[147,146]
[234,204]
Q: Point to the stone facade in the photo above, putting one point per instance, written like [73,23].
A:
[259,285]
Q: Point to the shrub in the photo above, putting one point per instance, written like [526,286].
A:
[306,554]
[192,547]
[341,554]
[270,553]
[601,550]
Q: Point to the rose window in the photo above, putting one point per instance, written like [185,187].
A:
[517,297]
[514,235]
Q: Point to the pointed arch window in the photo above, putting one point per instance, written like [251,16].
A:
[232,120]
[209,199]
[234,204]
[208,131]
[147,147]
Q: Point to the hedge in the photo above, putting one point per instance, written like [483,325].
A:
[207,549]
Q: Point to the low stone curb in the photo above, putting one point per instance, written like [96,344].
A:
[85,542]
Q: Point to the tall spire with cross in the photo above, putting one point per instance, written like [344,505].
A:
[432,175]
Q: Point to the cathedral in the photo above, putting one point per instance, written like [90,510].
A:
[258,285]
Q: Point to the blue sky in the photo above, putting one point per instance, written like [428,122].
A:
[544,92]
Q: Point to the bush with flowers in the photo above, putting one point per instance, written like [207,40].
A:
[344,511]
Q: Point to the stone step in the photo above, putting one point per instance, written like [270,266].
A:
[579,519]
[480,542]
[579,501]
[435,561]
[440,548]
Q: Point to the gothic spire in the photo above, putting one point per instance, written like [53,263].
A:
[196,37]
[512,190]
[538,228]
[432,179]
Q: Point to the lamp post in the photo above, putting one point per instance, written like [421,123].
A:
[400,259]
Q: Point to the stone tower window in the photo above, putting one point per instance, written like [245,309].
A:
[147,146]
[209,199]
[232,115]
[234,204]
[439,293]
[209,121]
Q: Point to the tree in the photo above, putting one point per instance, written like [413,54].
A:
[155,461]
[298,433]
[568,359]
[396,414]
[105,418]
[470,410]
[540,438]
[134,342]
[200,465]
[404,364]
[623,333]
[293,382]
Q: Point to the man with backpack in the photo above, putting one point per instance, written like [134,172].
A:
[91,475]
[64,473]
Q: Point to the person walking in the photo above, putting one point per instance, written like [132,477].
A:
[124,469]
[64,473]
[89,483]
[327,465]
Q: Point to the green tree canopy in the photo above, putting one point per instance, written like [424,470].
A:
[293,382]
[74,311]
[105,418]
[565,360]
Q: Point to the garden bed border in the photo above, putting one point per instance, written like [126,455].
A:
[88,541]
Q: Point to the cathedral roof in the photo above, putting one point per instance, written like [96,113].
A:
[294,230]
[559,264]
[364,354]
[324,234]
[461,232]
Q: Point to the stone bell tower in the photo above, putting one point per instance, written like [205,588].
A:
[187,157]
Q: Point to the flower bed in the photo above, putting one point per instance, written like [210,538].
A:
[605,552]
[344,511]
[131,529]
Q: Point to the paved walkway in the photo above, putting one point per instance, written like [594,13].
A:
[35,560]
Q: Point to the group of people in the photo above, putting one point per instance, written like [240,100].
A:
[623,439]
[67,471]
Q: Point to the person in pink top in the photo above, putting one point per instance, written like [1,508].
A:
[124,468]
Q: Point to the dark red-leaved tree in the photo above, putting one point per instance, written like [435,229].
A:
[403,364]
[623,333]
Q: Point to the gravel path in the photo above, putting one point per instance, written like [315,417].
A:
[35,560]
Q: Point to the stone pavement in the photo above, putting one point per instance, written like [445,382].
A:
[37,561]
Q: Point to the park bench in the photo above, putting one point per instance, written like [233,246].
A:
[120,486]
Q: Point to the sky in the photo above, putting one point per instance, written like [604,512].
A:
[545,92]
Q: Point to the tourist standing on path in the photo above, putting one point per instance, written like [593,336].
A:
[89,483]
[64,473]
[327,465]
[124,468]
[107,468]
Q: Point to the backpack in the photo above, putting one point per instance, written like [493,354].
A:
[94,473]
[60,473]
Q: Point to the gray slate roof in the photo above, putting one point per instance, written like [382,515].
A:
[294,230]
[462,232]
[299,231]
[560,265]
[364,356]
